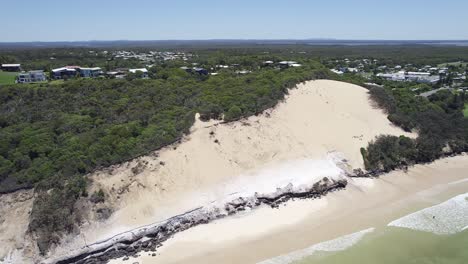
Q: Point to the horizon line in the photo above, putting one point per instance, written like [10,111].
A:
[228,39]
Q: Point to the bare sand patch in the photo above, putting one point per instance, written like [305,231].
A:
[15,209]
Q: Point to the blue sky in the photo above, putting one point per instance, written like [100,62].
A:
[58,20]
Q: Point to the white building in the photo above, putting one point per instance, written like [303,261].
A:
[337,71]
[398,76]
[285,64]
[31,77]
[65,72]
[420,77]
[90,72]
[144,72]
[11,67]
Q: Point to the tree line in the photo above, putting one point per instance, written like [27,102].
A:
[442,129]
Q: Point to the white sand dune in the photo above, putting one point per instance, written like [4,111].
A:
[319,124]
[317,118]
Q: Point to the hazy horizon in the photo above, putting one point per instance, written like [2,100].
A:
[240,39]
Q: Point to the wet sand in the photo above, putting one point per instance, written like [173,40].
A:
[266,233]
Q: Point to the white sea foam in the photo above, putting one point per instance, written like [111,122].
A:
[337,244]
[446,218]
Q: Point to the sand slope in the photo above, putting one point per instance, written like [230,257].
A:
[15,209]
[317,118]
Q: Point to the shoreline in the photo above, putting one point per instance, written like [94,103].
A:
[366,203]
[136,246]
[149,238]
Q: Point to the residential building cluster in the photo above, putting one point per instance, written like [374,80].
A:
[73,71]
[419,77]
[152,56]
[373,68]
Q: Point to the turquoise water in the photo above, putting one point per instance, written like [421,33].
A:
[394,245]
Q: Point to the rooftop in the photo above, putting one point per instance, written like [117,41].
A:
[144,70]
[11,65]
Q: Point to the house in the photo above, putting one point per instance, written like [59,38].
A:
[286,64]
[459,78]
[420,77]
[187,69]
[399,76]
[90,72]
[337,71]
[144,72]
[201,71]
[11,67]
[31,77]
[65,72]
[117,73]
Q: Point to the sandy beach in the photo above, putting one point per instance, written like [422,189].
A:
[266,233]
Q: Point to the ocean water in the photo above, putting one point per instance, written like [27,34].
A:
[437,234]
[395,245]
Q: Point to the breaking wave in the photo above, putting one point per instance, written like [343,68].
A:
[449,217]
[337,244]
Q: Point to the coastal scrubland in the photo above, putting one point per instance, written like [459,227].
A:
[438,119]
